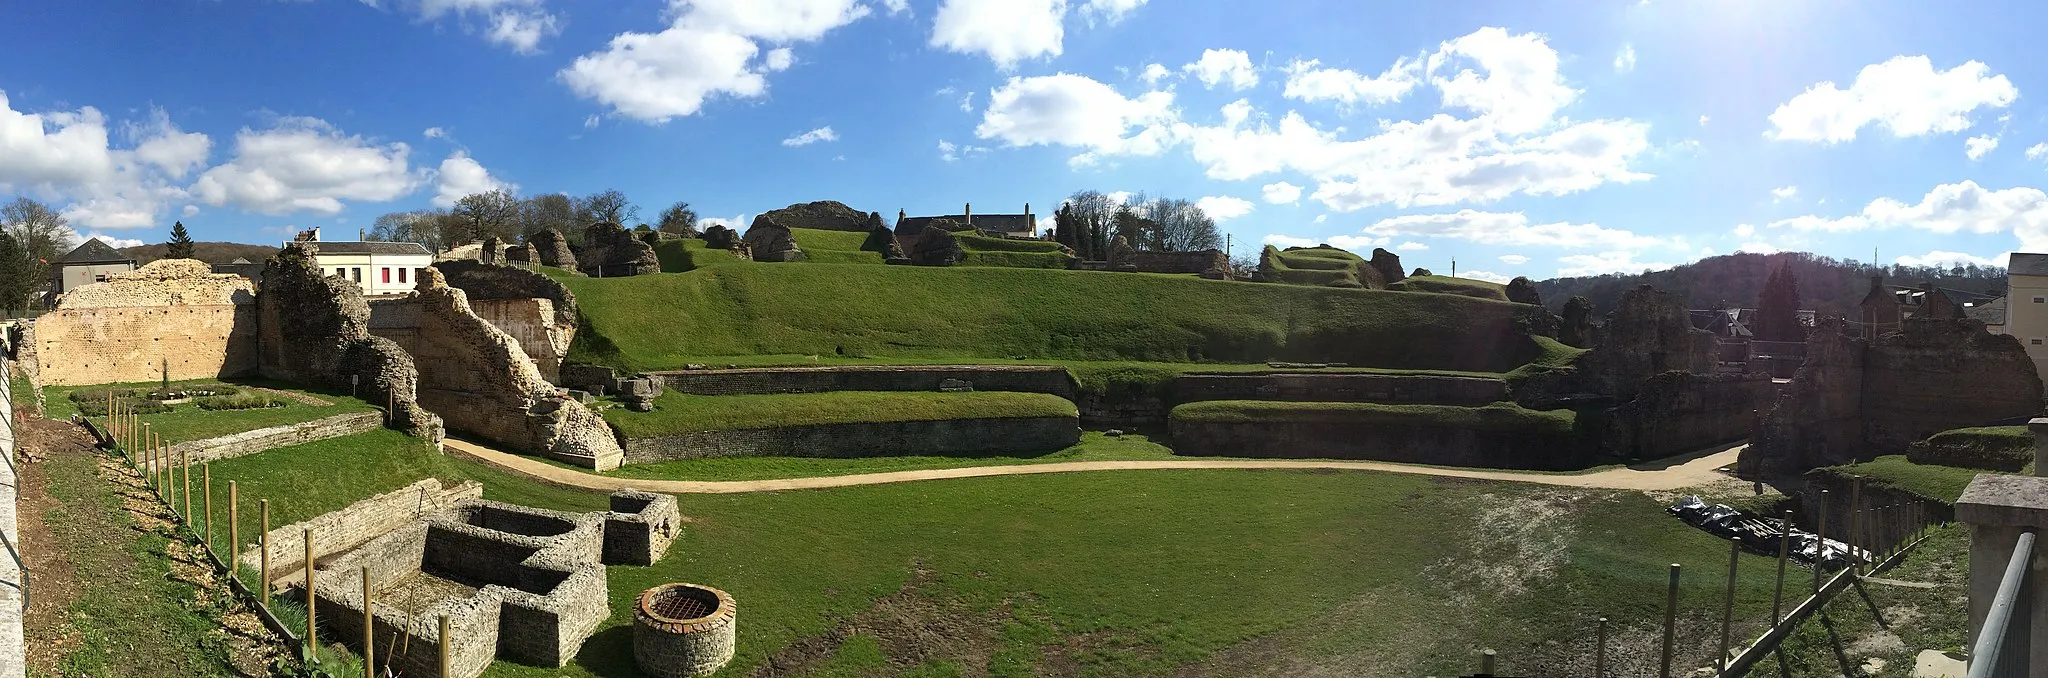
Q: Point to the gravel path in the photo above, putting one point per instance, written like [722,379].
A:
[1665,475]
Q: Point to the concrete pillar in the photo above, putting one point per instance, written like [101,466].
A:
[2039,427]
[1998,508]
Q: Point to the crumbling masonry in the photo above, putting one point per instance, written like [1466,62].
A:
[315,330]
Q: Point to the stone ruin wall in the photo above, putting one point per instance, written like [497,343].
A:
[1211,262]
[537,311]
[480,380]
[314,330]
[945,437]
[1854,400]
[769,380]
[173,314]
[1679,412]
[1339,387]
[356,524]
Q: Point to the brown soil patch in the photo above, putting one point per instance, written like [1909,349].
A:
[911,626]
[53,582]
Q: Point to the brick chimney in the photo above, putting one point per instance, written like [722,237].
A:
[968,212]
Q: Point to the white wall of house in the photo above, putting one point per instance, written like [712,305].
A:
[2026,316]
[377,274]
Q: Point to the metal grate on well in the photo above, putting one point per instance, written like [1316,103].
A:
[679,605]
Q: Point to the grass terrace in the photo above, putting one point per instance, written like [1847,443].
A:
[1933,481]
[1494,417]
[680,413]
[1443,284]
[1094,446]
[189,421]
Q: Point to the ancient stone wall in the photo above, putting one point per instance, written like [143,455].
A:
[1123,408]
[533,308]
[1679,412]
[481,382]
[250,442]
[767,380]
[314,330]
[867,439]
[769,240]
[1201,261]
[173,315]
[357,523]
[1818,419]
[1417,444]
[1339,387]
[610,251]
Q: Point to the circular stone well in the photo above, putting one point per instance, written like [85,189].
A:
[683,630]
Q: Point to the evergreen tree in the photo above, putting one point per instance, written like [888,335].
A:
[180,246]
[1777,308]
[16,279]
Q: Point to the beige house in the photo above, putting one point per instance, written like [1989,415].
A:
[2026,305]
[91,262]
[383,269]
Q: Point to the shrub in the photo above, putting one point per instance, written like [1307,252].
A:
[85,396]
[245,401]
[1994,448]
[98,408]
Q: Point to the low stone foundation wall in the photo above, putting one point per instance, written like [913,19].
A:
[866,439]
[770,380]
[1333,438]
[251,442]
[1340,387]
[357,523]
[1122,408]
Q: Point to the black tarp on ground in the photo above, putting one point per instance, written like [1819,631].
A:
[1761,535]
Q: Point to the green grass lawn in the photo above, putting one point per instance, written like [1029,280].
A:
[1940,483]
[666,321]
[1094,446]
[187,422]
[1494,417]
[1443,284]
[2007,448]
[680,413]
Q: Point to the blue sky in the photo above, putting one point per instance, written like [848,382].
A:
[1518,137]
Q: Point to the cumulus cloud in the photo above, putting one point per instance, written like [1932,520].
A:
[1355,243]
[305,164]
[1975,147]
[1942,259]
[1309,81]
[2037,151]
[191,210]
[949,151]
[1744,230]
[712,48]
[814,136]
[435,133]
[1221,66]
[1906,95]
[1513,259]
[1153,73]
[522,31]
[1109,11]
[1580,265]
[1509,229]
[1758,247]
[1411,246]
[518,24]
[1783,193]
[1073,110]
[462,175]
[1488,276]
[74,155]
[1625,60]
[1281,192]
[1224,208]
[1703,120]
[1949,208]
[1005,31]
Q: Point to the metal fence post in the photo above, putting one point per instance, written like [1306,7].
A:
[1670,621]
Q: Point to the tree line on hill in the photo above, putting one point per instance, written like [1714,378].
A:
[511,218]
[1090,221]
[1828,286]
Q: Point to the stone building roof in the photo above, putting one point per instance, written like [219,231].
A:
[93,251]
[2027,264]
[327,247]
[1991,312]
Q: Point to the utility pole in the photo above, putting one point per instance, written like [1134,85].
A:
[1226,246]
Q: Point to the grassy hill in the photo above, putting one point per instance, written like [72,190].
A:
[847,247]
[1448,285]
[1317,266]
[209,252]
[664,321]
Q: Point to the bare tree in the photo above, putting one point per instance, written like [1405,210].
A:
[607,205]
[678,218]
[1096,214]
[489,213]
[419,226]
[553,210]
[42,233]
[1180,226]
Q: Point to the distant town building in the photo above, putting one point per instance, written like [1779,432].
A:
[380,268]
[2026,305]
[89,263]
[1006,225]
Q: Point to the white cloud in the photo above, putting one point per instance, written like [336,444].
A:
[592,122]
[1783,193]
[72,155]
[1513,259]
[1949,208]
[1905,94]
[1224,208]
[1578,265]
[1703,120]
[191,210]
[163,145]
[1355,243]
[1320,218]
[896,6]
[1152,74]
[967,103]
[1411,246]
[462,175]
[1281,192]
[111,241]
[1219,66]
[1488,276]
[1521,89]
[305,164]
[435,133]
[1509,229]
[1975,147]
[1073,110]
[1942,259]
[814,136]
[709,50]
[949,152]
[1744,230]
[1308,81]
[1758,247]
[2037,151]
[1625,60]
[737,222]
[522,31]
[1005,31]
[1110,11]
[518,24]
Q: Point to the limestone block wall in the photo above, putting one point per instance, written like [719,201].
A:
[251,442]
[1679,412]
[533,308]
[126,344]
[946,437]
[1198,261]
[1449,446]
[358,523]
[1932,376]
[313,329]
[1339,387]
[639,527]
[409,642]
[1122,408]
[1022,378]
[529,322]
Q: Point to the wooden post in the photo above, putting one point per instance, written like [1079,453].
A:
[447,663]
[1486,663]
[1820,539]
[234,535]
[1855,534]
[265,577]
[390,403]
[369,629]
[110,415]
[312,639]
[1599,650]
[1670,623]
[1728,606]
[185,460]
[206,501]
[1784,553]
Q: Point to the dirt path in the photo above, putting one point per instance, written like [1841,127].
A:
[1664,475]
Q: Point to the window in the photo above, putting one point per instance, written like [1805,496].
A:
[2037,342]
[419,274]
[401,275]
[356,274]
[387,275]
[2039,300]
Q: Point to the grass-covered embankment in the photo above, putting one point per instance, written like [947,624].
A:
[680,413]
[1496,417]
[852,247]
[188,421]
[667,321]
[1930,481]
[1094,446]
[1443,284]
[1993,448]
